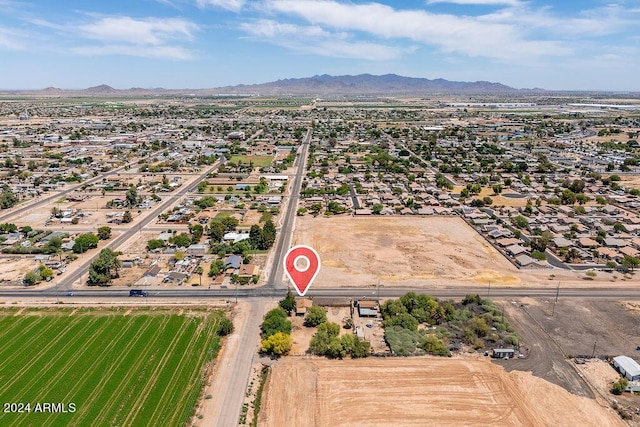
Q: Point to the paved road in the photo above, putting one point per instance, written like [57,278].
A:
[616,293]
[67,283]
[57,194]
[286,231]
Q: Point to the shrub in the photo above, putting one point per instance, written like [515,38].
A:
[432,345]
[315,316]
[620,386]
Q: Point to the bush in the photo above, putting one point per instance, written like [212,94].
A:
[402,342]
[277,344]
[315,316]
[432,345]
[275,321]
[513,340]
[620,386]
[226,327]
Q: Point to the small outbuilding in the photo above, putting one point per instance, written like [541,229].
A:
[627,367]
[502,353]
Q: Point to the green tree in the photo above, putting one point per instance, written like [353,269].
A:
[620,386]
[275,321]
[256,237]
[216,231]
[288,303]
[269,233]
[225,328]
[32,278]
[101,269]
[196,231]
[432,345]
[104,232]
[630,262]
[315,316]
[131,197]
[520,221]
[216,267]
[377,208]
[229,223]
[277,344]
[7,198]
[127,217]
[8,227]
[84,242]
[45,272]
[155,244]
[181,240]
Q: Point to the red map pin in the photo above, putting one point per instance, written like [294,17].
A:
[302,265]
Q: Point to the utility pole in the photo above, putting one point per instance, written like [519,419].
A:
[556,300]
[593,354]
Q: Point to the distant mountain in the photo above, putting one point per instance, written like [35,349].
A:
[367,84]
[323,85]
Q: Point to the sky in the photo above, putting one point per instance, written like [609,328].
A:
[179,44]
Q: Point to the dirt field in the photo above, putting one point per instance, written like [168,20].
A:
[359,251]
[419,391]
[417,252]
[14,269]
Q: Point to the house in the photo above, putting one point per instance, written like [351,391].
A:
[302,305]
[233,262]
[628,367]
[502,353]
[587,242]
[516,250]
[248,270]
[152,271]
[198,249]
[367,308]
[175,277]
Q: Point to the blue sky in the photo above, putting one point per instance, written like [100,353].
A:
[572,45]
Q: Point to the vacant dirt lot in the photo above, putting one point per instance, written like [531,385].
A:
[419,391]
[359,251]
[417,252]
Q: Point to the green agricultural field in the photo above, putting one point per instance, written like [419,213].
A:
[104,367]
[258,161]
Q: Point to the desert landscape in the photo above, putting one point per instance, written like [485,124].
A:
[419,391]
[417,252]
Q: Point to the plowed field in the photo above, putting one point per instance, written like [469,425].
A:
[419,392]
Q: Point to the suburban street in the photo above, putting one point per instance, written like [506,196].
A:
[67,283]
[286,230]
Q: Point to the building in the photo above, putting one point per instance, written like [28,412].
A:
[367,308]
[302,305]
[627,367]
[502,353]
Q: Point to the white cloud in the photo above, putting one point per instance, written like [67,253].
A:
[315,40]
[233,5]
[479,2]
[9,40]
[163,52]
[123,35]
[149,31]
[466,35]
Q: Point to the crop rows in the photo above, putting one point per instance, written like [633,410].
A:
[143,368]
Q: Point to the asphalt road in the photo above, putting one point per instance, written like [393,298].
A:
[285,233]
[188,293]
[67,283]
[46,200]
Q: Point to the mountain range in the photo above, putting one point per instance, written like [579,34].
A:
[320,85]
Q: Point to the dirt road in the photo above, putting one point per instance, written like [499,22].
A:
[233,367]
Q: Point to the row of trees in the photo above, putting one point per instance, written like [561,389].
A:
[276,333]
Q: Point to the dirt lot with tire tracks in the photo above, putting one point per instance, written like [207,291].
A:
[303,391]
